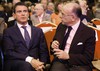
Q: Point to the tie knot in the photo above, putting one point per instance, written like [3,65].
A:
[24,27]
[69,28]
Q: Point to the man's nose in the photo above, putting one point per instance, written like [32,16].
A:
[23,13]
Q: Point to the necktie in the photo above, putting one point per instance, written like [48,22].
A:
[26,35]
[66,37]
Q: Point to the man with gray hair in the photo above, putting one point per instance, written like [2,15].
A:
[74,43]
[40,15]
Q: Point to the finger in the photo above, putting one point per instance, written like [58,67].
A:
[55,44]
[41,69]
[57,50]
[42,66]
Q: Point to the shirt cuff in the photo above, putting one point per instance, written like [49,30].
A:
[28,59]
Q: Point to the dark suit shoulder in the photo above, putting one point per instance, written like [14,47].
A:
[88,28]
[8,30]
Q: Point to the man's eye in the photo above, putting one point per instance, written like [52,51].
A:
[18,11]
[25,11]
[22,11]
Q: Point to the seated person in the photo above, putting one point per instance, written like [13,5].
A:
[74,43]
[24,45]
[40,15]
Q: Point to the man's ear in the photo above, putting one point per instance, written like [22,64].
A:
[73,18]
[14,16]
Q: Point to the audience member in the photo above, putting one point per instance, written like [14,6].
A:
[97,11]
[87,14]
[55,17]
[15,1]
[40,15]
[32,9]
[2,25]
[45,3]
[74,43]
[2,13]
[24,45]
[50,8]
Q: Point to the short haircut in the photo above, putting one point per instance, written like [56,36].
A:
[77,11]
[41,5]
[19,4]
[74,8]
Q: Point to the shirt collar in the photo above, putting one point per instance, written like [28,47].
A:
[75,27]
[41,15]
[19,25]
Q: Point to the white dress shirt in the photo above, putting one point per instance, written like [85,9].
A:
[41,18]
[71,35]
[28,28]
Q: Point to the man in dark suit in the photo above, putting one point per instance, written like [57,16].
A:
[77,51]
[24,46]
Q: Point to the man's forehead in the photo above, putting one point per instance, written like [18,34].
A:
[65,10]
[39,6]
[21,7]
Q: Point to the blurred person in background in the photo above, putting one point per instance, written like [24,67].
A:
[50,8]
[56,16]
[40,15]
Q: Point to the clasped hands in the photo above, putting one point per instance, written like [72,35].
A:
[61,54]
[38,65]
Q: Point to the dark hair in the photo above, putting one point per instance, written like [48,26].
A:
[56,7]
[77,11]
[18,4]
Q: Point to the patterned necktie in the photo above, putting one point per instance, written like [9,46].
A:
[26,35]
[66,37]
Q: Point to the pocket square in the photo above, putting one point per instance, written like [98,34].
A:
[80,43]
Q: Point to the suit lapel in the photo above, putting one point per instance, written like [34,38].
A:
[19,35]
[32,36]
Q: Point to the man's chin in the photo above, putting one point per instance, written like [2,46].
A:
[23,22]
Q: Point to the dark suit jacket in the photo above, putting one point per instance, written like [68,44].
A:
[82,47]
[88,19]
[15,48]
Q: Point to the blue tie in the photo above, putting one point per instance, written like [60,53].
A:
[26,35]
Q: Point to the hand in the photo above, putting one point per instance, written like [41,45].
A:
[55,44]
[37,64]
[61,54]
[40,68]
